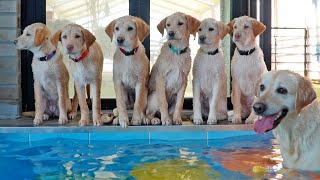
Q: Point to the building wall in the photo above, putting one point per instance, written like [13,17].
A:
[10,73]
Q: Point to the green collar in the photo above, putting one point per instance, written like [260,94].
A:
[178,51]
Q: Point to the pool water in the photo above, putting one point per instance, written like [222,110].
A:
[67,158]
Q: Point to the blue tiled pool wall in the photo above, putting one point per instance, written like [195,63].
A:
[123,136]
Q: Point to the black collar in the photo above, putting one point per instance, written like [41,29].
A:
[130,53]
[48,57]
[246,53]
[212,52]
[178,51]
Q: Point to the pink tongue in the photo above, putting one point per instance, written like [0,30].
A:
[264,124]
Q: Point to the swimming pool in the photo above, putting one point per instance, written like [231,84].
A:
[66,153]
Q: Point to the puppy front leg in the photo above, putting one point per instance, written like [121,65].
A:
[197,115]
[212,118]
[39,104]
[162,102]
[139,104]
[121,104]
[96,106]
[75,102]
[179,104]
[252,118]
[81,93]
[236,95]
[62,93]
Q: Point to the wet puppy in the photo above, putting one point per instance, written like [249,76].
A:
[247,65]
[86,63]
[168,78]
[49,72]
[209,76]
[130,67]
[286,103]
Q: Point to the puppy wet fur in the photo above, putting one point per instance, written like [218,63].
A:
[209,76]
[86,64]
[168,78]
[49,72]
[286,103]
[247,65]
[130,68]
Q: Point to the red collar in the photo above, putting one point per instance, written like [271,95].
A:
[83,55]
[130,52]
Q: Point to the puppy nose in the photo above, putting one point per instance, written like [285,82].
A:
[237,35]
[120,40]
[171,34]
[69,47]
[259,108]
[202,38]
[15,41]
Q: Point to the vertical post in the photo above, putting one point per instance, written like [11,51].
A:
[305,52]
[265,37]
[275,53]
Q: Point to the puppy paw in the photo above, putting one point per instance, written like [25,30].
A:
[97,121]
[63,120]
[250,120]
[136,122]
[115,121]
[124,122]
[166,121]
[106,118]
[212,121]
[177,121]
[236,120]
[222,116]
[83,122]
[145,121]
[198,121]
[45,117]
[155,121]
[72,115]
[37,121]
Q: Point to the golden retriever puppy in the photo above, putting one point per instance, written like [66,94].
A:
[168,78]
[247,65]
[286,103]
[86,63]
[49,72]
[130,67]
[209,76]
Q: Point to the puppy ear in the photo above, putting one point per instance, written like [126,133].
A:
[109,29]
[223,29]
[40,37]
[230,24]
[56,38]
[257,27]
[193,25]
[89,38]
[161,26]
[143,29]
[305,94]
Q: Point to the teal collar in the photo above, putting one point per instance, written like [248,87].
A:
[178,51]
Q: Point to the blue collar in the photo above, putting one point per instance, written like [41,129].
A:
[178,51]
[48,57]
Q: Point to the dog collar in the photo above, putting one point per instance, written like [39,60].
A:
[48,57]
[246,52]
[83,55]
[212,52]
[130,53]
[178,51]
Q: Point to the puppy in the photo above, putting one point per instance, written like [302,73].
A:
[247,65]
[286,103]
[49,72]
[130,67]
[168,78]
[86,63]
[209,76]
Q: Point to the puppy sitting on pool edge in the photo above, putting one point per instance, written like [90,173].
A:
[287,105]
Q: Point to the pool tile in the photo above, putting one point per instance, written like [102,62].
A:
[43,136]
[178,135]
[119,136]
[15,137]
[228,134]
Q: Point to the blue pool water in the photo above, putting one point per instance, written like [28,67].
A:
[45,156]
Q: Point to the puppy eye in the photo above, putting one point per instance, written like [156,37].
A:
[200,29]
[180,23]
[64,37]
[76,36]
[262,87]
[168,25]
[28,34]
[282,91]
[235,27]
[130,28]
[211,29]
[245,26]
[117,28]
